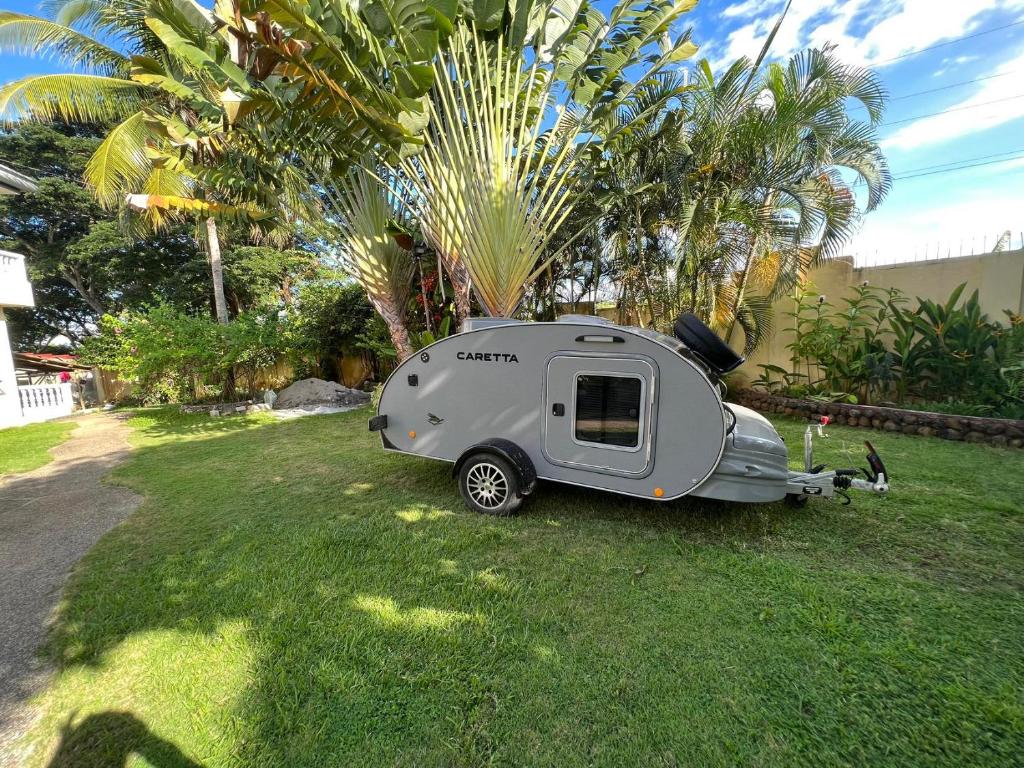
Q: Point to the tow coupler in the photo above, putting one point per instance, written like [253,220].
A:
[816,481]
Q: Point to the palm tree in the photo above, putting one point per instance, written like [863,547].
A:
[364,211]
[177,84]
[765,181]
[512,120]
[800,117]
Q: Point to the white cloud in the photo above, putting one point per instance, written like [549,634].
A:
[894,27]
[971,115]
[743,9]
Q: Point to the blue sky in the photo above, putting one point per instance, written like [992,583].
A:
[938,211]
[941,209]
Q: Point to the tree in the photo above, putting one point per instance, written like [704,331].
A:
[497,175]
[118,89]
[80,261]
[364,210]
[767,199]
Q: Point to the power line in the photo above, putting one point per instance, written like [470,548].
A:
[962,160]
[953,109]
[965,162]
[950,42]
[960,168]
[951,85]
[942,88]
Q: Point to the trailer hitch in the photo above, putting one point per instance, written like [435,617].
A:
[814,481]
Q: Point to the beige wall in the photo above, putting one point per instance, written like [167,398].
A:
[998,277]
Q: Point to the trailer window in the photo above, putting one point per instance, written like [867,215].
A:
[608,410]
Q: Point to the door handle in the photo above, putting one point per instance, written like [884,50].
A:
[558,409]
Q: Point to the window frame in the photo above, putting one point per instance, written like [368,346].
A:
[642,418]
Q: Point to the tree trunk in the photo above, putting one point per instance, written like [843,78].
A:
[462,286]
[740,292]
[74,277]
[394,319]
[216,271]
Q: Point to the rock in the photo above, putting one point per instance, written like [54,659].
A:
[953,422]
[890,426]
[877,422]
[925,431]
[909,429]
[864,421]
[313,392]
[952,434]
[214,412]
[1016,442]
[976,437]
[998,440]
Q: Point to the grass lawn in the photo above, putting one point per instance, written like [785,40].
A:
[290,595]
[26,448]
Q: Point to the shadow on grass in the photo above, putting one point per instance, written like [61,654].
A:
[110,739]
[387,624]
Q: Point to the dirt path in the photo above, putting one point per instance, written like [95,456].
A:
[49,518]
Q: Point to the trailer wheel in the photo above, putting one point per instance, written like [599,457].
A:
[490,485]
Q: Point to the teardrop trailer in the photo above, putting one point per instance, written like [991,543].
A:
[589,403]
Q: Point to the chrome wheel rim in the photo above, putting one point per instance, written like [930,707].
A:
[487,485]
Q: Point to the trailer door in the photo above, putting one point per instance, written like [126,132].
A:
[598,413]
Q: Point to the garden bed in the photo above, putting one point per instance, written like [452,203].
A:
[973,429]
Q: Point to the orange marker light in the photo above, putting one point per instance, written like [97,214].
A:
[659,492]
[412,435]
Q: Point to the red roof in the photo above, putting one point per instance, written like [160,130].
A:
[46,361]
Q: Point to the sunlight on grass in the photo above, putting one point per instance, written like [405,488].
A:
[387,612]
[357,488]
[419,515]
[23,449]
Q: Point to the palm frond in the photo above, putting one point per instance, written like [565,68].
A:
[31,35]
[119,165]
[491,185]
[70,98]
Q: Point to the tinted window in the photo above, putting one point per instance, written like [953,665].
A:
[608,410]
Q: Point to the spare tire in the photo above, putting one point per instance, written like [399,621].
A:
[703,342]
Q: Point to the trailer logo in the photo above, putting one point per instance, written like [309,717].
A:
[488,357]
[424,357]
[434,418]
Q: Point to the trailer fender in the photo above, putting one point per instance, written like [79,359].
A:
[507,450]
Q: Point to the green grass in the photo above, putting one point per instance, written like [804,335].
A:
[289,594]
[26,448]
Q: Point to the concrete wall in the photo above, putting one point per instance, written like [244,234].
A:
[998,277]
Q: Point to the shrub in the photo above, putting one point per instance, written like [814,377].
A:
[874,348]
[173,356]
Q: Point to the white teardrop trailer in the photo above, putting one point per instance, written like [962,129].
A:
[589,403]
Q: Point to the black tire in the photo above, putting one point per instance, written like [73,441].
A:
[490,485]
[698,337]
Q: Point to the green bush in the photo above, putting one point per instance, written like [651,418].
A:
[873,348]
[175,357]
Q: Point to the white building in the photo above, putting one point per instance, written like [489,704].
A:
[22,405]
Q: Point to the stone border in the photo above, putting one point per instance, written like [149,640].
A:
[226,409]
[973,429]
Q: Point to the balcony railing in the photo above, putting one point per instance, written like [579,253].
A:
[42,402]
[15,289]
